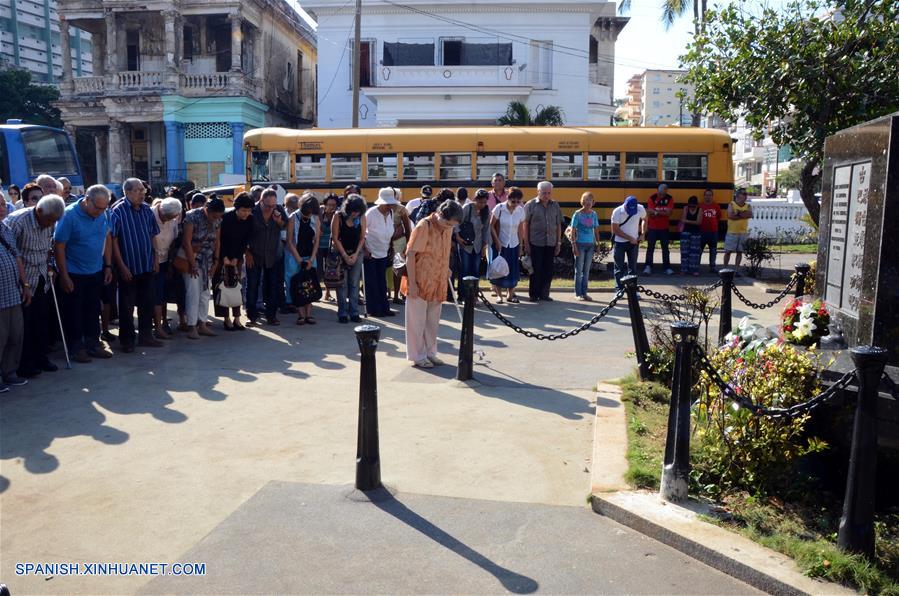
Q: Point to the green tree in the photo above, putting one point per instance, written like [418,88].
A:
[790,178]
[23,99]
[518,114]
[800,73]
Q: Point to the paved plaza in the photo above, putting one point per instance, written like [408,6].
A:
[238,451]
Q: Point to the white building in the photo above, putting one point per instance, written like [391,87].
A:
[429,62]
[655,98]
[29,39]
[758,162]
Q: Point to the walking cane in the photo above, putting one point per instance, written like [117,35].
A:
[62,332]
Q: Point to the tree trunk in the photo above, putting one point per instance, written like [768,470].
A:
[808,182]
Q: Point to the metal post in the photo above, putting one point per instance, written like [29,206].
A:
[727,284]
[464,372]
[857,522]
[641,343]
[802,270]
[676,469]
[357,57]
[368,457]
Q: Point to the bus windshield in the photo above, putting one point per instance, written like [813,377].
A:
[48,152]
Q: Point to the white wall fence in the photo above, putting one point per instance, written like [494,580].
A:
[778,218]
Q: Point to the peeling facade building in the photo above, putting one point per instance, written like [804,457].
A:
[175,84]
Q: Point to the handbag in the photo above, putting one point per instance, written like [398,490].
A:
[334,273]
[304,287]
[181,264]
[228,296]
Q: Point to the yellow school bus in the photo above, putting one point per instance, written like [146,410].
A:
[610,162]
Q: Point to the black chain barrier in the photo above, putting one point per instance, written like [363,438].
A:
[789,412]
[676,297]
[552,337]
[770,303]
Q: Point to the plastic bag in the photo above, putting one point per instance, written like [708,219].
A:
[526,264]
[498,268]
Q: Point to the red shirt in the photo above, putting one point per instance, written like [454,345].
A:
[711,215]
[659,222]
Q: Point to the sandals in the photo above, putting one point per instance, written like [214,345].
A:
[500,300]
[514,300]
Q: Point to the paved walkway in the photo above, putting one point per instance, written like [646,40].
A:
[139,458]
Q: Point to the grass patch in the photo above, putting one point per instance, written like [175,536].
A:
[801,249]
[802,525]
[567,282]
[646,408]
[806,532]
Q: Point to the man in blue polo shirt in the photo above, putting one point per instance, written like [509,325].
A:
[133,227]
[84,260]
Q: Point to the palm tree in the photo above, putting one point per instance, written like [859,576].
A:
[518,114]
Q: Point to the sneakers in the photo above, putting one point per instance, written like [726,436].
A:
[580,298]
[4,388]
[82,357]
[436,361]
[647,270]
[423,363]
[100,351]
[107,336]
[14,380]
[669,271]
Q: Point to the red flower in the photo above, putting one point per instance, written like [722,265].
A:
[788,327]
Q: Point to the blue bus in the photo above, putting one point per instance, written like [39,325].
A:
[29,150]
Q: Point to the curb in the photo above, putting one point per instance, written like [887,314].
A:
[716,558]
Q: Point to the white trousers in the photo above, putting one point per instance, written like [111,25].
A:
[422,322]
[196,299]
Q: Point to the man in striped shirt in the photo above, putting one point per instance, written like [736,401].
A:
[33,227]
[133,228]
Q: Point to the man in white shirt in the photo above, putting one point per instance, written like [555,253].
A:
[628,230]
[426,192]
[379,230]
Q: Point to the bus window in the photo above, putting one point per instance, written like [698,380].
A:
[530,166]
[685,167]
[568,166]
[347,166]
[603,166]
[641,166]
[455,166]
[270,167]
[491,163]
[418,166]
[382,167]
[310,167]
[48,152]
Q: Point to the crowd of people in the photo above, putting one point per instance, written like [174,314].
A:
[88,261]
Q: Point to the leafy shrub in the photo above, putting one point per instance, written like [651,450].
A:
[660,362]
[736,450]
[644,392]
[757,251]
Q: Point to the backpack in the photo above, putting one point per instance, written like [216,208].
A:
[427,207]
[304,287]
[333,271]
[466,228]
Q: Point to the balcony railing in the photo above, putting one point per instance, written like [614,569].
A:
[89,85]
[211,81]
[451,76]
[133,80]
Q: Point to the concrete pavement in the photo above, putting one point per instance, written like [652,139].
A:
[140,457]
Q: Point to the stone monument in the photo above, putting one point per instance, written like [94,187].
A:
[858,244]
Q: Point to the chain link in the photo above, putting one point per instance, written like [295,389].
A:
[541,336]
[770,303]
[677,297]
[745,402]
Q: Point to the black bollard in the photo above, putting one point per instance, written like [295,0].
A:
[727,284]
[676,469]
[802,270]
[464,371]
[641,343]
[857,522]
[368,456]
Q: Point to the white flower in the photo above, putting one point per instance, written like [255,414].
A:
[803,328]
[806,310]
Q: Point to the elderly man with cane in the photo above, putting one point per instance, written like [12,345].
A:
[33,228]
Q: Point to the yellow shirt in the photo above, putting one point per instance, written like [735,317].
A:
[738,226]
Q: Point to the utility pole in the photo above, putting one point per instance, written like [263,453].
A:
[357,58]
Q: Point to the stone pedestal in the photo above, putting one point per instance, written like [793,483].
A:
[858,250]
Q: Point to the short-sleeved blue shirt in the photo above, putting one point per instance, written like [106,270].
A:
[584,225]
[84,237]
[134,230]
